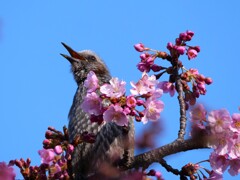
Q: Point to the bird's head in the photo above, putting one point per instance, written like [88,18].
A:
[85,61]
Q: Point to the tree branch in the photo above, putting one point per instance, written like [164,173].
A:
[146,159]
[181,102]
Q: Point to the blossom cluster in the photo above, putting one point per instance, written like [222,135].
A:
[6,171]
[55,157]
[197,81]
[224,130]
[108,102]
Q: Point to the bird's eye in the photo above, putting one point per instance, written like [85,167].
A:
[93,58]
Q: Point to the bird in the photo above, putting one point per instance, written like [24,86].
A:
[111,140]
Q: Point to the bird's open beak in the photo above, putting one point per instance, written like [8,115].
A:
[75,56]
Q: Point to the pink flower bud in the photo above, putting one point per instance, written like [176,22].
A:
[19,164]
[48,134]
[208,80]
[28,162]
[152,172]
[169,46]
[139,47]
[190,33]
[144,56]
[126,110]
[197,48]
[188,38]
[180,49]
[178,41]
[51,128]
[46,142]
[156,67]
[70,148]
[183,36]
[58,150]
[140,102]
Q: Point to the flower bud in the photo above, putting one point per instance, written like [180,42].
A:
[28,162]
[19,164]
[70,148]
[169,46]
[140,102]
[183,36]
[197,48]
[208,80]
[46,142]
[178,41]
[144,56]
[190,33]
[58,150]
[51,128]
[139,47]
[138,119]
[180,49]
[156,67]
[48,134]
[162,55]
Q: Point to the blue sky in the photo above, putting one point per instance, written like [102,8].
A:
[36,84]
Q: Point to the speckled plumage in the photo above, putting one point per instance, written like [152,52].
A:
[112,141]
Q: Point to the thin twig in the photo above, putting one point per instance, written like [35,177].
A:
[168,167]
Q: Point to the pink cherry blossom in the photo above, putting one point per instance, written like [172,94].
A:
[115,89]
[92,104]
[157,93]
[167,87]
[91,83]
[234,167]
[152,110]
[214,176]
[218,163]
[6,172]
[235,125]
[145,85]
[131,101]
[115,114]
[47,155]
[219,120]
[223,143]
[55,168]
[191,53]
[198,113]
[235,148]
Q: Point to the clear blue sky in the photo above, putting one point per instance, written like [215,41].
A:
[36,84]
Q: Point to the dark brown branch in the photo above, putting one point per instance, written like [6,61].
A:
[147,158]
[181,102]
